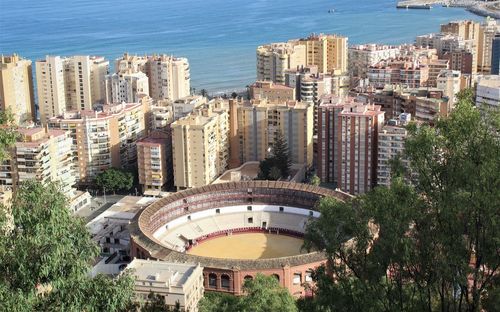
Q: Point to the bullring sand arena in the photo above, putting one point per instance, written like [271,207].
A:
[249,246]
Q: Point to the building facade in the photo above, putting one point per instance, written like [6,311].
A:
[200,145]
[72,83]
[126,87]
[169,77]
[106,138]
[16,88]
[363,56]
[495,55]
[271,92]
[154,161]
[255,124]
[488,92]
[173,282]
[274,59]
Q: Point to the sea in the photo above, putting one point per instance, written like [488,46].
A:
[219,37]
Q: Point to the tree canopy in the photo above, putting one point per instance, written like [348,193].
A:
[262,294]
[278,164]
[114,179]
[432,245]
[8,134]
[46,256]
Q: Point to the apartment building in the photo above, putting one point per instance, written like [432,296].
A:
[447,42]
[154,161]
[271,92]
[200,145]
[360,57]
[488,92]
[391,140]
[126,87]
[184,106]
[255,123]
[105,138]
[359,128]
[435,66]
[46,156]
[273,59]
[71,83]
[162,115]
[16,88]
[451,82]
[487,31]
[328,149]
[173,282]
[410,72]
[425,104]
[495,55]
[169,77]
[327,52]
[460,60]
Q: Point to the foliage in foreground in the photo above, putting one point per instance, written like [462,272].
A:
[262,294]
[46,255]
[433,245]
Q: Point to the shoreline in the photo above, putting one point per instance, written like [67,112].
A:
[480,8]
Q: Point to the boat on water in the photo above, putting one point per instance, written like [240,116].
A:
[331,11]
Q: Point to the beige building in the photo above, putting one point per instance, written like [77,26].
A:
[451,82]
[184,106]
[126,87]
[360,57]
[328,52]
[271,92]
[169,77]
[16,88]
[200,145]
[255,123]
[173,282]
[154,161]
[487,32]
[450,42]
[407,71]
[274,59]
[134,63]
[46,156]
[73,83]
[488,92]
[106,138]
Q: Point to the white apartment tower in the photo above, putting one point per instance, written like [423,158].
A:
[169,77]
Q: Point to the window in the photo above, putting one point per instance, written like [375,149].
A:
[250,220]
[212,280]
[311,213]
[217,210]
[249,208]
[282,209]
[248,278]
[224,281]
[276,276]
[309,275]
[189,217]
[297,278]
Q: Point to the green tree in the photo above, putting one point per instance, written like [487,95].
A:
[8,133]
[433,245]
[315,180]
[204,92]
[281,154]
[114,179]
[278,160]
[234,95]
[218,302]
[264,294]
[45,258]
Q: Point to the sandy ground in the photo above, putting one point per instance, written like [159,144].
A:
[249,246]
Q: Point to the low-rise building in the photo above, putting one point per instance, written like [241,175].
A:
[410,72]
[488,91]
[365,55]
[180,283]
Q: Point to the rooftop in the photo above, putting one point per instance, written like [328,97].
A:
[172,274]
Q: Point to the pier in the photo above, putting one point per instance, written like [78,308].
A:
[482,8]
